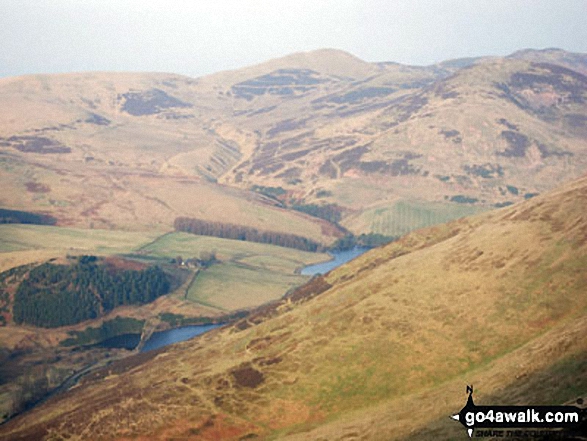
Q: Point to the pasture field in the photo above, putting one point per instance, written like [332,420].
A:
[18,237]
[22,244]
[267,256]
[404,216]
[232,286]
[247,275]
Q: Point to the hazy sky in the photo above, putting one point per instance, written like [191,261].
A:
[195,37]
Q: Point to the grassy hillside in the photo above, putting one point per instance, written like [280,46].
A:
[380,348]
[135,151]
[100,196]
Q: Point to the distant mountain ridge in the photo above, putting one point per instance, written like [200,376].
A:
[323,126]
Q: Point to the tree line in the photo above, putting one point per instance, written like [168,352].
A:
[330,212]
[24,217]
[241,232]
[60,295]
[370,240]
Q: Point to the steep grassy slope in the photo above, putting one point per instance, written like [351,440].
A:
[379,349]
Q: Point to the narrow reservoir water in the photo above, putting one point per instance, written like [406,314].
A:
[158,339]
[338,258]
[164,338]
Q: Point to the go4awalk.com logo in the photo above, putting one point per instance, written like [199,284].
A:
[550,422]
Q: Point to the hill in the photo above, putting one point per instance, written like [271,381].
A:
[380,348]
[123,151]
[380,141]
[573,61]
[331,62]
[488,134]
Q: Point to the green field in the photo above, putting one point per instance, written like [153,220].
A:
[17,237]
[405,216]
[266,256]
[231,286]
[247,275]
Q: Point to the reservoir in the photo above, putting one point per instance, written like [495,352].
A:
[338,258]
[164,338]
[158,339]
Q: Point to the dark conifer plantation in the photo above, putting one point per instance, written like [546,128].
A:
[59,295]
[240,232]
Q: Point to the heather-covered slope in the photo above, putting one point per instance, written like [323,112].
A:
[490,134]
[123,151]
[380,348]
[393,147]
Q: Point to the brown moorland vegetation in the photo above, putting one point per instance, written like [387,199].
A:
[135,151]
[380,348]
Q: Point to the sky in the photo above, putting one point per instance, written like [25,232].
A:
[195,38]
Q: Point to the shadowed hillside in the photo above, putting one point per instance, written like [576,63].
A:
[379,349]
